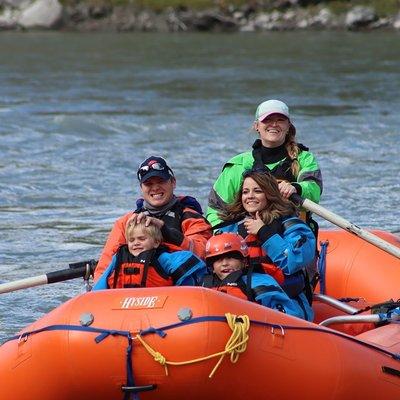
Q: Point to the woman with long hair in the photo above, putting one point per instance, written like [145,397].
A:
[280,243]
[277,151]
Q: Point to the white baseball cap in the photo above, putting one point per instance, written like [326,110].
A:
[270,107]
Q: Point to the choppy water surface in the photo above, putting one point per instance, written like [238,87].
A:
[78,112]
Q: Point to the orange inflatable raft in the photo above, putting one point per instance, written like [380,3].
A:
[356,268]
[192,342]
[113,344]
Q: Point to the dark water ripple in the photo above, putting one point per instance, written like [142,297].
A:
[79,113]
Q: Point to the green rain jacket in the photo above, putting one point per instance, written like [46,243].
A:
[308,183]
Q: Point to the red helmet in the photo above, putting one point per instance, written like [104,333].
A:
[226,243]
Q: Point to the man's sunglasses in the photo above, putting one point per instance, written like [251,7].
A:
[156,166]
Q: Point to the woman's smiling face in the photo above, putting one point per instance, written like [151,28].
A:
[253,197]
[273,130]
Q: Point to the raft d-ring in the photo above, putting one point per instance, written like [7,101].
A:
[22,338]
[282,333]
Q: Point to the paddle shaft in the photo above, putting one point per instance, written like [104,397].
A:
[347,225]
[51,277]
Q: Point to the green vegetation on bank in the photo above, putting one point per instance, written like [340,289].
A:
[383,8]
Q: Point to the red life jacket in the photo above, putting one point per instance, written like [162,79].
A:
[140,271]
[258,256]
[233,290]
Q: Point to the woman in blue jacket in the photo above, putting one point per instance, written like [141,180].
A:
[280,244]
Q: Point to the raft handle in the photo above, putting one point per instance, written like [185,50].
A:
[138,389]
[390,371]
[278,326]
[22,338]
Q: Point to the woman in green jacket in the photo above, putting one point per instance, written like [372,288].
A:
[295,168]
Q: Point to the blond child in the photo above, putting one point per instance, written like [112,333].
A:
[143,262]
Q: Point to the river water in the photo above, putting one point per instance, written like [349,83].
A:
[78,112]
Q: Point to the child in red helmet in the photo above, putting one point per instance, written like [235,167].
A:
[227,258]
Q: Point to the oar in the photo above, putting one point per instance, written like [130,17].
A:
[347,225]
[76,270]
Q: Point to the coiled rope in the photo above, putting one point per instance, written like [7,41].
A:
[235,345]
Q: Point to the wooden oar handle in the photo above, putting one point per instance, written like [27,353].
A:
[346,225]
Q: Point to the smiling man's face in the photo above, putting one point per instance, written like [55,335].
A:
[157,191]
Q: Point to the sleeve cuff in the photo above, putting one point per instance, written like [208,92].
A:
[269,230]
[172,235]
[297,187]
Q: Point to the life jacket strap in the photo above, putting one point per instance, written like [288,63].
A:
[294,284]
[117,269]
[183,269]
[322,266]
[259,290]
[131,271]
[149,258]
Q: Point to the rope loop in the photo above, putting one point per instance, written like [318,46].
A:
[235,345]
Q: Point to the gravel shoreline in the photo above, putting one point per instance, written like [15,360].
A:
[82,16]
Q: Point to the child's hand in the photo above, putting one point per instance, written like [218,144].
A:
[253,225]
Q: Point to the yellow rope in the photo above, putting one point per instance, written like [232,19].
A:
[235,345]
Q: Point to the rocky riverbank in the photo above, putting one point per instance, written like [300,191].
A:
[249,17]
